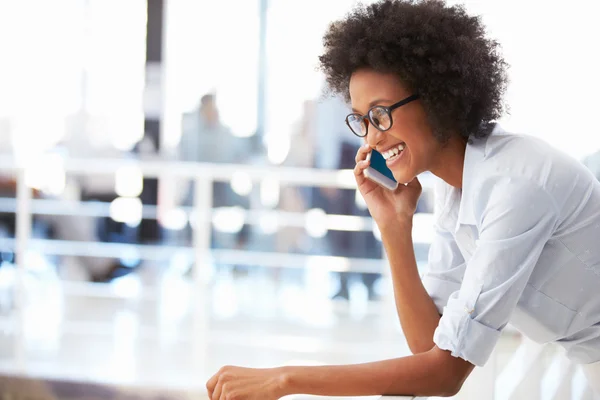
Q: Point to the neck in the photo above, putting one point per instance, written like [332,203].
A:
[450,162]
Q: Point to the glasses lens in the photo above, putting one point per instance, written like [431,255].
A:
[380,117]
[357,124]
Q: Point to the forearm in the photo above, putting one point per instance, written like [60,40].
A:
[416,310]
[427,374]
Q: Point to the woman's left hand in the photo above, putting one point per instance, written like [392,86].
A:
[236,383]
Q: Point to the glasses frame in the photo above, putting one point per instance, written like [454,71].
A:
[367,117]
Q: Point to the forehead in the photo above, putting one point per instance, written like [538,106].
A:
[367,85]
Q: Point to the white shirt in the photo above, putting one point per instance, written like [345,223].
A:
[520,243]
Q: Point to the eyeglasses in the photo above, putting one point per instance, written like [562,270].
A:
[379,116]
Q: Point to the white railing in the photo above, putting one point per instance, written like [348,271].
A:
[203,175]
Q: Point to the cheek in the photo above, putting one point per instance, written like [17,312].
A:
[397,133]
[422,154]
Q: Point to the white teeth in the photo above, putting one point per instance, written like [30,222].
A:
[393,152]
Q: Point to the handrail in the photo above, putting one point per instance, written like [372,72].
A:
[251,217]
[343,179]
[229,256]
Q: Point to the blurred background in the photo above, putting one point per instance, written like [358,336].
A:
[176,193]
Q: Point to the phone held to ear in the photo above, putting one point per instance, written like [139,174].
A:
[378,171]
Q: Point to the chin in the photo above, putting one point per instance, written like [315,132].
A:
[403,171]
[403,177]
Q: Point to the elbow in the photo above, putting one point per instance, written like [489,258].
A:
[420,346]
[450,388]
[451,372]
[447,385]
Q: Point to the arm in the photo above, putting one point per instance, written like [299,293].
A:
[421,302]
[417,312]
[432,373]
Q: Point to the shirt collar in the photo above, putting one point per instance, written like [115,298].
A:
[475,153]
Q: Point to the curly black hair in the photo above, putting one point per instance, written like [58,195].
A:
[438,51]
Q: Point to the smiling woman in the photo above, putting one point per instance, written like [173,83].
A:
[517,221]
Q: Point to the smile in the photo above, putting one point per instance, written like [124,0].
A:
[394,152]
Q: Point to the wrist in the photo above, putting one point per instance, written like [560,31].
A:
[397,225]
[286,381]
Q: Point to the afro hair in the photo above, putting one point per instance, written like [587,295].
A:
[437,51]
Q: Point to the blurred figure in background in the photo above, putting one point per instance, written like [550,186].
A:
[81,141]
[336,149]
[206,139]
[294,198]
[8,189]
[69,227]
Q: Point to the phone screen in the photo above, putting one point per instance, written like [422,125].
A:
[378,164]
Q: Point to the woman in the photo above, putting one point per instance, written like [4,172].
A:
[518,223]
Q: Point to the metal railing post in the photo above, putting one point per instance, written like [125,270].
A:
[203,199]
[23,233]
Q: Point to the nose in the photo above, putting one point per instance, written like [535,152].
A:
[374,136]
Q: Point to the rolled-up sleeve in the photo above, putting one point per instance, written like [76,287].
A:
[515,219]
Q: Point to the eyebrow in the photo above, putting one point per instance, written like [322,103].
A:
[374,103]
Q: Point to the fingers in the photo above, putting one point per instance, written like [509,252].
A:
[362,153]
[217,393]
[360,167]
[362,162]
[359,173]
[212,384]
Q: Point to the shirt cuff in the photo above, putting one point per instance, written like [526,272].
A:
[465,337]
[439,290]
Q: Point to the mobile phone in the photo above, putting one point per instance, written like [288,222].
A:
[378,171]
